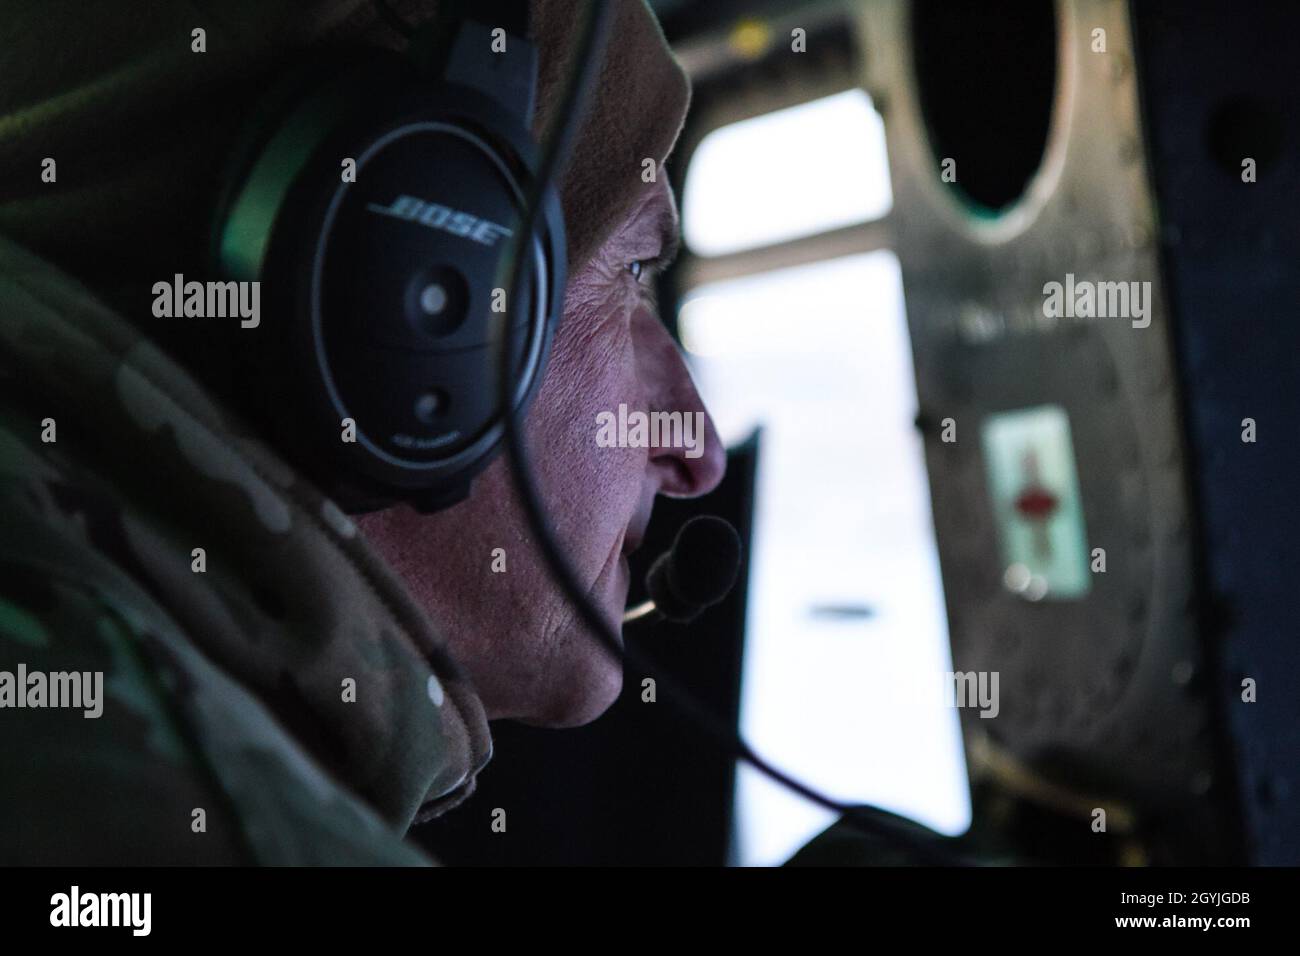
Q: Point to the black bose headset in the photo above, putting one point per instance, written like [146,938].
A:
[373,199]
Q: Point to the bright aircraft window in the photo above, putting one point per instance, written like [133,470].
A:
[787,174]
[847,641]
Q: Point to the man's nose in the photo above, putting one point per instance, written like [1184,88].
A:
[695,465]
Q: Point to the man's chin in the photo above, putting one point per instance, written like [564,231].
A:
[592,690]
[593,677]
[578,677]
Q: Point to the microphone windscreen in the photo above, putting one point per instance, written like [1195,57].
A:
[698,571]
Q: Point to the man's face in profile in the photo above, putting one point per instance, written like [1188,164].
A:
[522,643]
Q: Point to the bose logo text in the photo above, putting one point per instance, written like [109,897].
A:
[435,216]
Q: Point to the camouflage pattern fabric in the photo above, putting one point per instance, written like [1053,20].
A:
[224,689]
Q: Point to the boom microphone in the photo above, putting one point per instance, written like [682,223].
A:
[697,572]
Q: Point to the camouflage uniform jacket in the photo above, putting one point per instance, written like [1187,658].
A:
[270,692]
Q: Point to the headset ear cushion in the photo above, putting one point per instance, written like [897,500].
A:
[285,100]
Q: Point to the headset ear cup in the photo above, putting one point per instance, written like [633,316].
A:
[374,368]
[283,99]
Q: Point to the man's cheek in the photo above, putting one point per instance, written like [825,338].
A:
[592,368]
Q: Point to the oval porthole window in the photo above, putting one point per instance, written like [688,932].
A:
[986,76]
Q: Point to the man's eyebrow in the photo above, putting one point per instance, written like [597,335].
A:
[669,227]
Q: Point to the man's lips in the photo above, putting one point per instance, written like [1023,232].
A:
[631,541]
[633,536]
[637,522]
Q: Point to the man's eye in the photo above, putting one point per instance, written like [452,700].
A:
[636,267]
